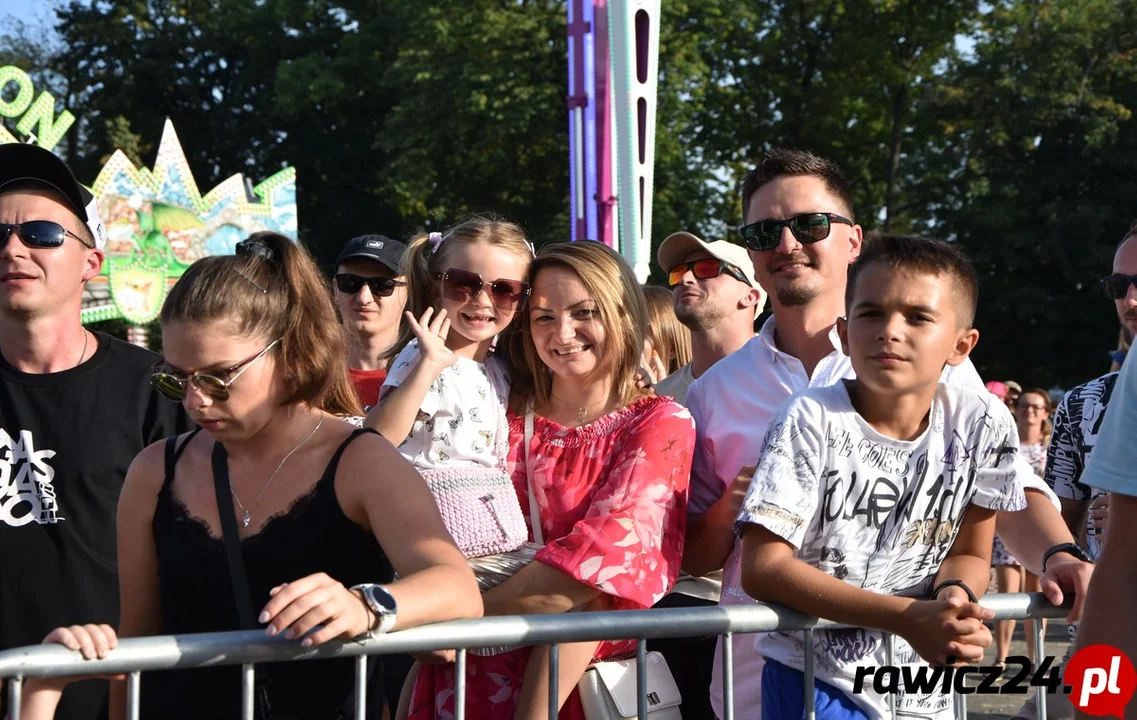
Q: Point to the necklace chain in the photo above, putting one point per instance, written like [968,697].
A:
[581,412]
[86,337]
[247,514]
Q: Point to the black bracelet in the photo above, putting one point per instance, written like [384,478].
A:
[1068,547]
[955,583]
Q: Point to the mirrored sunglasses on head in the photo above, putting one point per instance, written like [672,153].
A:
[38,234]
[379,286]
[1116,286]
[462,286]
[704,269]
[807,228]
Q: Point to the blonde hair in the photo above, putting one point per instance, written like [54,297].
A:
[423,265]
[622,309]
[670,338]
[273,289]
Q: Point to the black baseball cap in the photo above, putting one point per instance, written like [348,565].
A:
[379,248]
[22,163]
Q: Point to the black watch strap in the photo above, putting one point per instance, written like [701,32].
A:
[954,583]
[1069,547]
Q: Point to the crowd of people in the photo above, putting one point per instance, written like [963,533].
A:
[794,419]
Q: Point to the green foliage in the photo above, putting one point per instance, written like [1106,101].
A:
[1005,126]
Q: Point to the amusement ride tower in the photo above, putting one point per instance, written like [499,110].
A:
[613,66]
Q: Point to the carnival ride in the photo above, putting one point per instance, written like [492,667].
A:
[158,222]
[613,70]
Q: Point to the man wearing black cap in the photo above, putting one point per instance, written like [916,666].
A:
[75,408]
[370,294]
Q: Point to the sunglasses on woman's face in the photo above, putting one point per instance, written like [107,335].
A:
[807,228]
[173,385]
[704,269]
[379,286]
[38,234]
[462,286]
[1116,286]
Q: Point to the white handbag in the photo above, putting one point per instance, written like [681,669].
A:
[608,690]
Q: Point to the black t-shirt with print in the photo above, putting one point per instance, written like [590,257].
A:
[66,441]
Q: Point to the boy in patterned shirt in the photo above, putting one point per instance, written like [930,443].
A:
[874,500]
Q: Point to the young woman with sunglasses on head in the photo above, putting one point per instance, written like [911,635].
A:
[254,354]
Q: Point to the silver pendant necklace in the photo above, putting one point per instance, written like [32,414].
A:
[247,514]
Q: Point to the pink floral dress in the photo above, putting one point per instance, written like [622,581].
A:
[613,506]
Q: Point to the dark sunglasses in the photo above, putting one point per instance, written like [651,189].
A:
[704,269]
[1117,286]
[379,286]
[461,285]
[38,234]
[174,385]
[807,228]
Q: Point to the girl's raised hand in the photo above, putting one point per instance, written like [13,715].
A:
[431,336]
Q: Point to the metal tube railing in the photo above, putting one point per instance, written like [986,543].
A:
[247,648]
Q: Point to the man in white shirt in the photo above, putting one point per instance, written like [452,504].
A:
[715,295]
[802,238]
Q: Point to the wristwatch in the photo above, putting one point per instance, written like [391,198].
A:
[1069,547]
[382,603]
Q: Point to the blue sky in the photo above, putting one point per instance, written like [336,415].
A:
[27,10]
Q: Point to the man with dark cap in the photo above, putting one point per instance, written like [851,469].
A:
[76,406]
[370,293]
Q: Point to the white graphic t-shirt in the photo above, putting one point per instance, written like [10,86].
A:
[460,416]
[878,513]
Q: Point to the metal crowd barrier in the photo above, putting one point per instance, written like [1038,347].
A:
[171,652]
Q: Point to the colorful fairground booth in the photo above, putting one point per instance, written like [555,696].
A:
[157,220]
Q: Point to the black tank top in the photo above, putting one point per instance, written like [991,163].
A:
[312,536]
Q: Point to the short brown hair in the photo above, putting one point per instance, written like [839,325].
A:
[273,289]
[923,255]
[623,310]
[791,162]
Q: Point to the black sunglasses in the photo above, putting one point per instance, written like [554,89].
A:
[38,234]
[704,269]
[1116,286]
[807,228]
[462,285]
[379,286]
[173,385]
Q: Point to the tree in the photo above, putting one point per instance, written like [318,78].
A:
[1035,176]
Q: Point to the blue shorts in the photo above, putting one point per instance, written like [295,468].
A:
[783,696]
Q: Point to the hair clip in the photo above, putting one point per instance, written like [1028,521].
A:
[256,248]
[250,281]
[532,251]
[435,240]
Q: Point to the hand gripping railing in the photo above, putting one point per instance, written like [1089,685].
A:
[168,652]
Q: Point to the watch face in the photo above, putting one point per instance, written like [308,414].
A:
[382,598]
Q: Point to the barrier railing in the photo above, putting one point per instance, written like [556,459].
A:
[245,648]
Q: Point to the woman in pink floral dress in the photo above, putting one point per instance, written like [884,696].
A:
[609,467]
